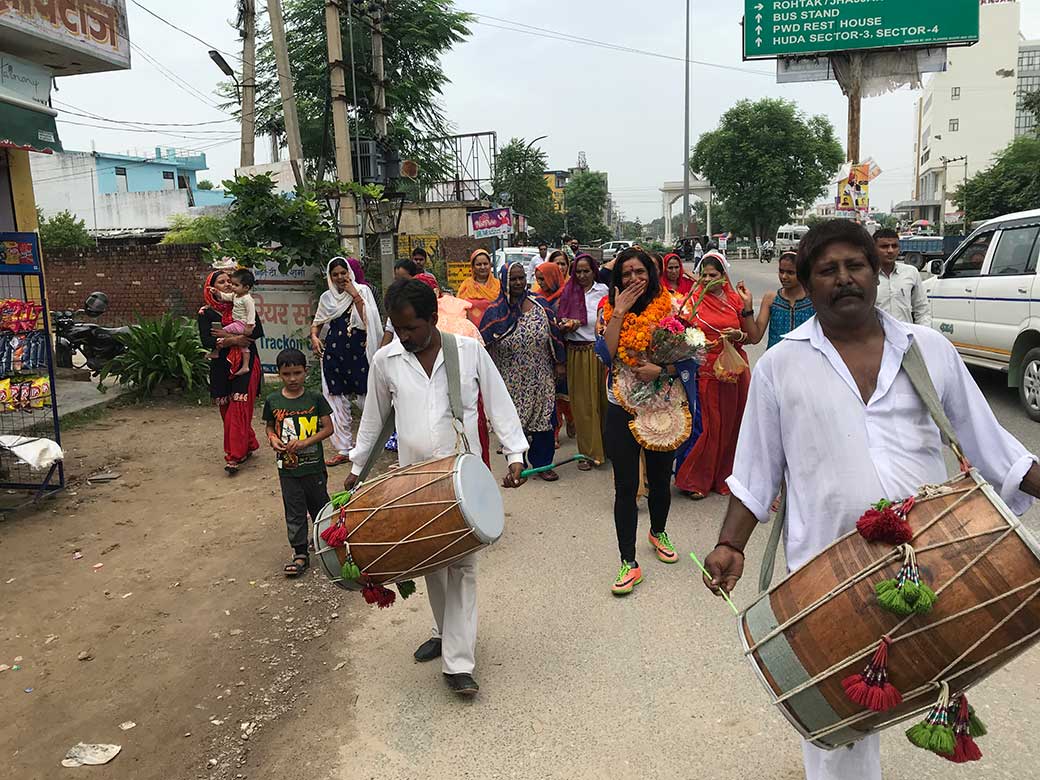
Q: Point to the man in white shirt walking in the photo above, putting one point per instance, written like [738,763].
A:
[853,429]
[899,285]
[409,374]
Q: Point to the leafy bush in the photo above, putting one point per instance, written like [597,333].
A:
[198,230]
[63,230]
[265,225]
[162,353]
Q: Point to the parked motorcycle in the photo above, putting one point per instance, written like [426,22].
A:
[95,345]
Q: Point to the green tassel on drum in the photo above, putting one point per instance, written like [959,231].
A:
[935,733]
[906,594]
[350,571]
[406,588]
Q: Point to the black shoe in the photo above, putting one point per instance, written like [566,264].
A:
[462,684]
[428,650]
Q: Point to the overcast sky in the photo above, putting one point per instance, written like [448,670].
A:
[624,110]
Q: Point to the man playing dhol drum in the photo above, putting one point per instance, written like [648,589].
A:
[409,374]
[831,413]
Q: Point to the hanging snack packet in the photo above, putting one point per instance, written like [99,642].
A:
[6,405]
[40,392]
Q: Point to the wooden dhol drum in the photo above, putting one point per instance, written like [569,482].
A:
[823,622]
[414,520]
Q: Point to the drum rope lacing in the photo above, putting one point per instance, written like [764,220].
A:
[929,492]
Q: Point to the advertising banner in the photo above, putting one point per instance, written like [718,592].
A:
[493,222]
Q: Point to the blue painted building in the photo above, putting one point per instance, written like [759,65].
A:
[170,169]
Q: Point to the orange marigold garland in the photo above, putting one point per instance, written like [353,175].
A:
[637,330]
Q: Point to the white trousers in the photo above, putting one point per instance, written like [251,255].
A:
[860,761]
[453,599]
[342,441]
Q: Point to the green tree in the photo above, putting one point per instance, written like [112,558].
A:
[1011,184]
[63,230]
[1031,103]
[586,198]
[204,229]
[204,184]
[766,162]
[264,225]
[417,33]
[519,183]
[633,230]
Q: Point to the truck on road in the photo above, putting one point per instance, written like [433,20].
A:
[919,251]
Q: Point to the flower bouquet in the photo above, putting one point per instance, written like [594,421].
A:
[662,416]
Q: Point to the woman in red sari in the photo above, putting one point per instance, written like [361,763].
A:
[722,318]
[677,282]
[235,396]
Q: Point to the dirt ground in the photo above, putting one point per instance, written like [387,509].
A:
[174,615]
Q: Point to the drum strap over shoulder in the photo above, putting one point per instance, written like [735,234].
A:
[450,350]
[917,372]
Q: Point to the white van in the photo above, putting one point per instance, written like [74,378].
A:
[985,299]
[788,238]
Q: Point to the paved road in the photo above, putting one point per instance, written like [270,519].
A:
[578,684]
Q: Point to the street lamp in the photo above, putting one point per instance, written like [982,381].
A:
[227,70]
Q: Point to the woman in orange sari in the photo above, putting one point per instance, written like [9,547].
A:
[482,288]
[722,318]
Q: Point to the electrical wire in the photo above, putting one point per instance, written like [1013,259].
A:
[91,165]
[168,23]
[559,35]
[177,80]
[87,114]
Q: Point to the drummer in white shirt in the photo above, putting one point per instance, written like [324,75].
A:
[831,413]
[409,375]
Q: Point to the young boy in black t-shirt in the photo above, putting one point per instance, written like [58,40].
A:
[298,420]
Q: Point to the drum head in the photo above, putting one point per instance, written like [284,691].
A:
[327,556]
[479,498]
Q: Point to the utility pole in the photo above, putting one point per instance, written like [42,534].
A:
[247,157]
[942,197]
[340,129]
[686,136]
[285,83]
[855,106]
[377,72]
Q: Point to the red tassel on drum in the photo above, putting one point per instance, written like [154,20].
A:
[965,749]
[871,689]
[885,522]
[336,534]
[378,594]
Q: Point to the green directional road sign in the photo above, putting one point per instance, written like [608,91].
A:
[775,28]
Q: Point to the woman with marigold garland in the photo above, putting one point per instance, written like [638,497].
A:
[636,304]
[723,318]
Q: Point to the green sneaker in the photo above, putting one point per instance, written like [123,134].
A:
[627,579]
[664,548]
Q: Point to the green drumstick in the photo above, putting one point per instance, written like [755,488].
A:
[531,472]
[724,594]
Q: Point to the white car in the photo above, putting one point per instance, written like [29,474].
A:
[985,299]
[528,255]
[611,248]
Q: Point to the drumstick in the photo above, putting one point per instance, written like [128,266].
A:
[710,577]
[531,472]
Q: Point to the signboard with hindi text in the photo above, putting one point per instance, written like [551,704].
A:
[286,315]
[489,223]
[67,36]
[775,28]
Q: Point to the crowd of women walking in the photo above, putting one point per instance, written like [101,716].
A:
[554,342]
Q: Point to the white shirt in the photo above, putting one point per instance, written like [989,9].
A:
[243,307]
[806,423]
[902,296]
[593,296]
[422,409]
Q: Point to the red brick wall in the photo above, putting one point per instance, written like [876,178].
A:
[140,281]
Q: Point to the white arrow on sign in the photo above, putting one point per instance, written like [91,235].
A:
[759,29]
[759,7]
[758,17]
[758,41]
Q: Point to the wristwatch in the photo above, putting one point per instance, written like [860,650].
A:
[748,313]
